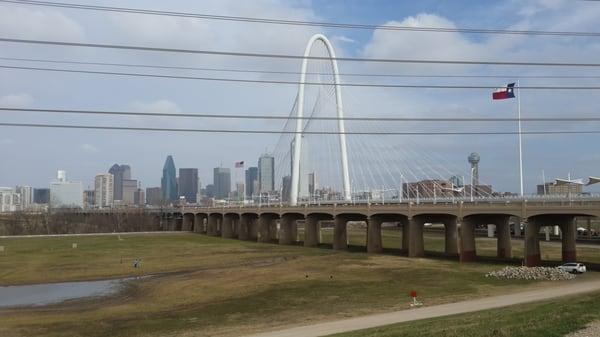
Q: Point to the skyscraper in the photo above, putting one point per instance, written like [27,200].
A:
[104,190]
[188,184]
[26,193]
[153,196]
[168,182]
[222,182]
[251,179]
[41,195]
[266,173]
[130,187]
[120,173]
[65,194]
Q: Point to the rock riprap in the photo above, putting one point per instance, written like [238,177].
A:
[531,273]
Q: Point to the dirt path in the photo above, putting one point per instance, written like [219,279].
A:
[365,322]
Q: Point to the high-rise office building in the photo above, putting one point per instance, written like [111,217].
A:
[65,194]
[266,173]
[222,182]
[120,173]
[41,195]
[251,180]
[312,183]
[139,197]
[168,183]
[9,200]
[286,183]
[153,196]
[104,188]
[188,184]
[130,187]
[26,193]
[89,198]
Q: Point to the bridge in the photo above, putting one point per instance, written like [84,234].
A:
[265,224]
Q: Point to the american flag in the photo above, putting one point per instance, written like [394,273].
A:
[239,164]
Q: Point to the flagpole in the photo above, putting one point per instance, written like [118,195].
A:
[520,137]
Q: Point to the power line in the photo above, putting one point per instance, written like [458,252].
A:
[239,80]
[280,117]
[282,72]
[296,57]
[383,133]
[304,23]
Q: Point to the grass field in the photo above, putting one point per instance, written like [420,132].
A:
[554,318]
[215,287]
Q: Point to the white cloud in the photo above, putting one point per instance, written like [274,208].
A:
[89,148]
[343,38]
[26,22]
[16,100]
[158,106]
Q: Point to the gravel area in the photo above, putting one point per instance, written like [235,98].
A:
[531,273]
[592,330]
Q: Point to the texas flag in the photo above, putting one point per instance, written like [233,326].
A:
[504,93]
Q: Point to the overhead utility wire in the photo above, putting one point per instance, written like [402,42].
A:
[385,133]
[280,117]
[240,80]
[281,72]
[304,23]
[294,57]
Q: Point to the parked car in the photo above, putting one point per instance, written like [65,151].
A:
[573,267]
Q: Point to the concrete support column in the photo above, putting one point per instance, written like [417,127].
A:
[374,244]
[274,230]
[518,227]
[265,226]
[340,241]
[288,230]
[170,223]
[243,227]
[532,244]
[178,223]
[227,226]
[569,236]
[416,246]
[467,241]
[253,229]
[212,225]
[311,231]
[504,249]
[199,226]
[188,222]
[451,236]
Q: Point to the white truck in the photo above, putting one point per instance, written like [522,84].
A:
[573,267]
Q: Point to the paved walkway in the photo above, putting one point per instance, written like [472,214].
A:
[365,322]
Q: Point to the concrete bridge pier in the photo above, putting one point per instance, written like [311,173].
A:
[212,225]
[467,240]
[569,237]
[312,228]
[266,223]
[199,223]
[243,227]
[416,245]
[188,222]
[504,247]
[405,237]
[340,238]
[288,229]
[532,243]
[451,236]
[178,223]
[227,226]
[374,244]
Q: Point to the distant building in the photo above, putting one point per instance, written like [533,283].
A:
[457,181]
[139,197]
[9,200]
[65,194]
[168,183]
[286,183]
[266,173]
[222,182]
[210,191]
[251,180]
[41,195]
[120,173]
[188,184]
[312,183]
[104,188]
[89,198]
[474,161]
[427,189]
[130,187]
[26,193]
[153,196]
[552,189]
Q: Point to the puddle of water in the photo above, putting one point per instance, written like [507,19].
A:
[49,293]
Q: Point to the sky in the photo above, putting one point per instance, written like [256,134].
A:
[32,156]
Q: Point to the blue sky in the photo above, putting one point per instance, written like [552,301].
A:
[31,156]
